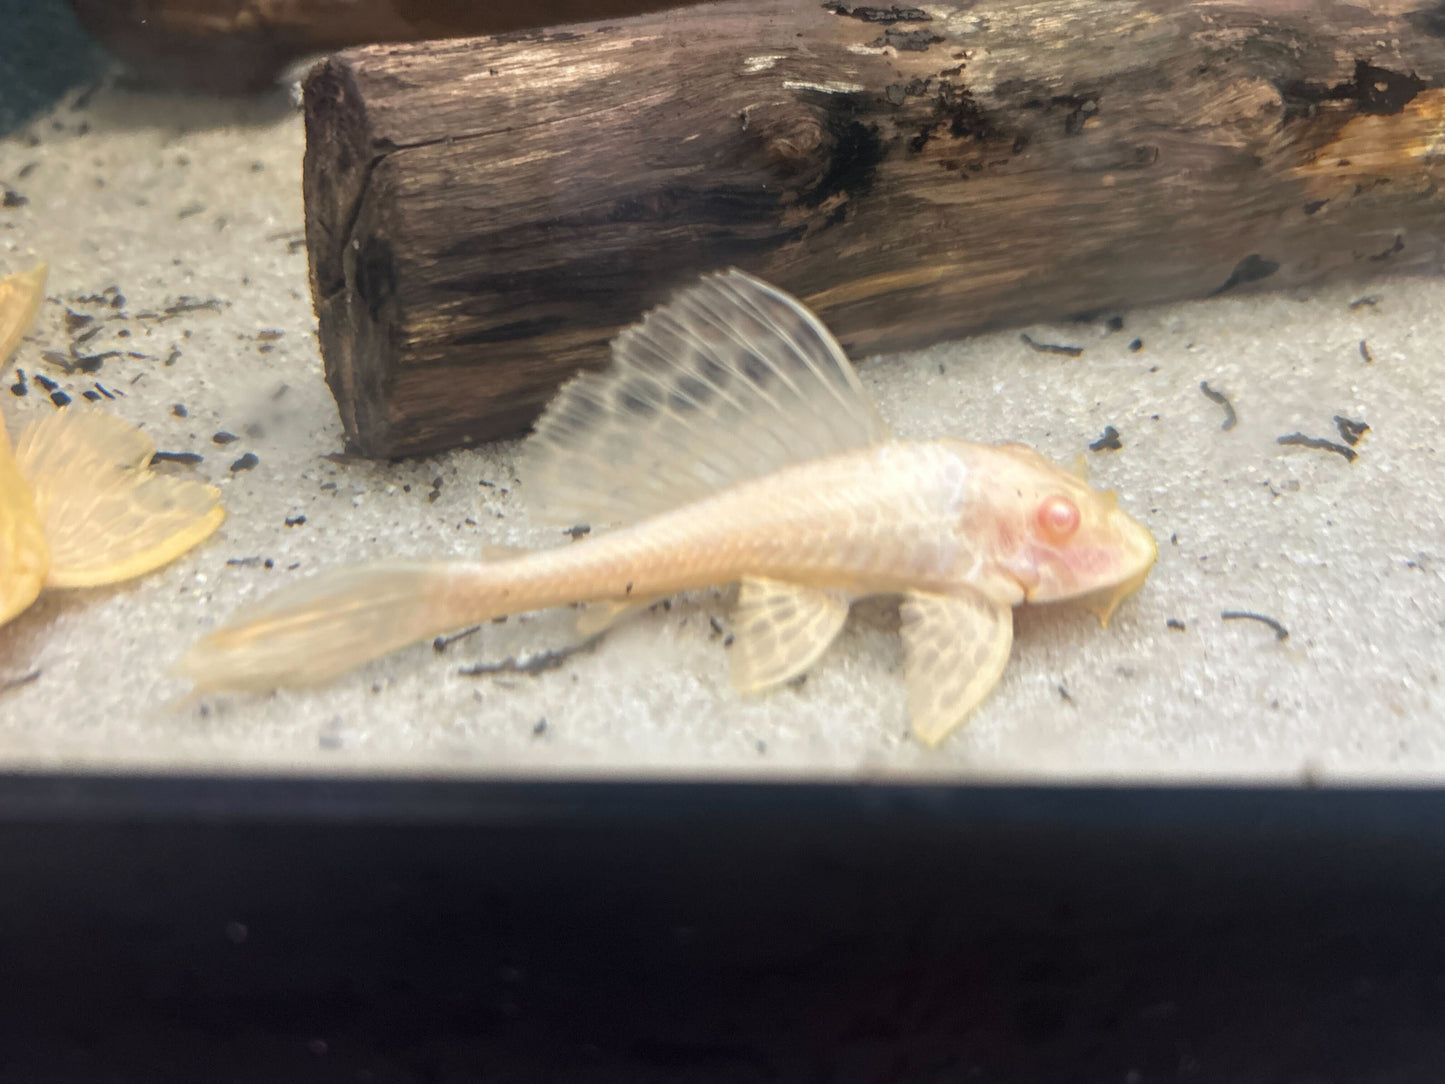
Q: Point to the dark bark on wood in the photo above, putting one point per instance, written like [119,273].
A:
[231,46]
[483,216]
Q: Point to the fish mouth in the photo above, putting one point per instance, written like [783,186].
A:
[1102,604]
[1025,573]
[1141,551]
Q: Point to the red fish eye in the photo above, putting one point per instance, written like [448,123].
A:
[1058,518]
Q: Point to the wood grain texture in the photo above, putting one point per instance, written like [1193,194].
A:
[484,215]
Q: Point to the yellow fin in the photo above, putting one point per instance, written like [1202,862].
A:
[955,649]
[730,380]
[24,559]
[780,630]
[20,298]
[324,626]
[1079,467]
[107,517]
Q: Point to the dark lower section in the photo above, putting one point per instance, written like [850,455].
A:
[216,930]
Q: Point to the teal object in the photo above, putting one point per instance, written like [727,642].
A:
[43,54]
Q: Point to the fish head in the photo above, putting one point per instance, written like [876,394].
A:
[1059,538]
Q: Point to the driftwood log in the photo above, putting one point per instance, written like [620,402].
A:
[231,46]
[483,216]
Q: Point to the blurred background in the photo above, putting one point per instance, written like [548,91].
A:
[43,53]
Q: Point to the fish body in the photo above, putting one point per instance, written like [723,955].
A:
[887,519]
[878,520]
[734,441]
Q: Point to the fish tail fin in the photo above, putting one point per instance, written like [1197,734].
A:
[329,624]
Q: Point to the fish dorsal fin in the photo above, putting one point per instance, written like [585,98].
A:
[955,650]
[781,629]
[107,517]
[731,379]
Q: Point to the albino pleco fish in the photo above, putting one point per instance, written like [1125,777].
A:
[79,504]
[733,441]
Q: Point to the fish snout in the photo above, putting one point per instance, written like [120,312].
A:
[1135,552]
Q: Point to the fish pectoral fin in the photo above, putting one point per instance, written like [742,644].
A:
[107,517]
[955,648]
[781,629]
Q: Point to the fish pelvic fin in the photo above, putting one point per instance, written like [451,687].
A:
[781,629]
[327,625]
[955,650]
[730,380]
